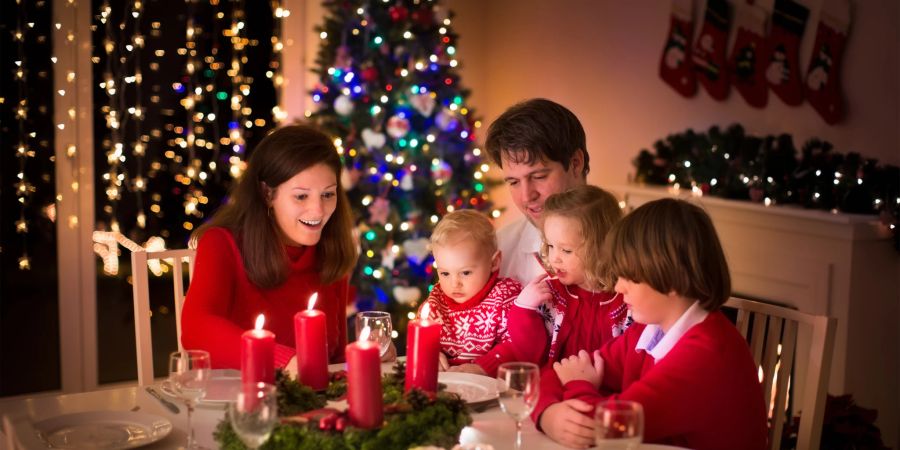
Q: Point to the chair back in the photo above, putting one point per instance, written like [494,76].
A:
[771,332]
[140,259]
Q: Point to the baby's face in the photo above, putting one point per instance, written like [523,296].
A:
[463,268]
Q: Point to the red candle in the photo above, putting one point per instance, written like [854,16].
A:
[422,347]
[258,354]
[364,398]
[312,346]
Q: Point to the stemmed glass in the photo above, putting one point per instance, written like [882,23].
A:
[519,386]
[379,323]
[189,372]
[254,413]
[620,424]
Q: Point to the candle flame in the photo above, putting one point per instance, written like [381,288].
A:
[425,311]
[312,301]
[260,321]
[364,334]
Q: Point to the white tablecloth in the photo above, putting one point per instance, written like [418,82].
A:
[491,426]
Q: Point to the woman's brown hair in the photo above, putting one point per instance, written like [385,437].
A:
[672,246]
[279,157]
[596,211]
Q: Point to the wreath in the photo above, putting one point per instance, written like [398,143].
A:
[413,418]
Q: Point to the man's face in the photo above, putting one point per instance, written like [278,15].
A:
[531,184]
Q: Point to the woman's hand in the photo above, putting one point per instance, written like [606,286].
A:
[535,293]
[565,422]
[580,367]
[391,354]
[468,368]
[291,368]
[443,363]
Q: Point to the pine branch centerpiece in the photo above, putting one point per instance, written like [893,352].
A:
[410,418]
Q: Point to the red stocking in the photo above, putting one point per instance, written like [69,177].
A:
[823,87]
[745,63]
[674,66]
[709,50]
[783,72]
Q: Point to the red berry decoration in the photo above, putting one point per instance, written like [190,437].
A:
[398,13]
[369,74]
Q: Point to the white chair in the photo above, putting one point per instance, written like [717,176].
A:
[772,332]
[141,282]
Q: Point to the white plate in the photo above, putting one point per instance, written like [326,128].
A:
[472,388]
[222,388]
[107,430]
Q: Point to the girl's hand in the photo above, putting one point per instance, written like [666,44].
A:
[468,368]
[565,422]
[535,293]
[580,367]
[443,363]
[391,354]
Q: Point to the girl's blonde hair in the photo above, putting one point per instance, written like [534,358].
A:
[596,211]
[465,223]
[672,246]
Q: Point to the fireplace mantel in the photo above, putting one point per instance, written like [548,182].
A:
[841,265]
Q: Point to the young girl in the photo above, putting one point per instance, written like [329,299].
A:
[470,299]
[684,361]
[579,311]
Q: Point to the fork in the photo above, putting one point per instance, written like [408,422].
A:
[169,405]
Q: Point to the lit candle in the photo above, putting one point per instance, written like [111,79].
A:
[422,348]
[258,354]
[312,346]
[364,399]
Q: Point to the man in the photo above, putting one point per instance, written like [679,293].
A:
[540,147]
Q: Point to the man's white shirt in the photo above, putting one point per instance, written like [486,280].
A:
[520,243]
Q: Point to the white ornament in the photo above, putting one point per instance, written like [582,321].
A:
[407,295]
[343,105]
[446,120]
[406,183]
[423,103]
[373,139]
[416,249]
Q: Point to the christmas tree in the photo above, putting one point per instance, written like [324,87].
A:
[390,94]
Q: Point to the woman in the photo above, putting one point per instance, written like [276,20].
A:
[285,234]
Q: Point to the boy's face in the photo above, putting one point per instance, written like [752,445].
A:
[649,306]
[531,184]
[564,241]
[464,268]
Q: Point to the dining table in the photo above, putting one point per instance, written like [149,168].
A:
[490,425]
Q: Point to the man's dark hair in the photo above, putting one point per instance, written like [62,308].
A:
[537,130]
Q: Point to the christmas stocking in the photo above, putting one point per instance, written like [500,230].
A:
[823,88]
[674,66]
[709,50]
[746,65]
[782,73]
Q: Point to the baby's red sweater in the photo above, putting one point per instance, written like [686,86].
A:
[222,302]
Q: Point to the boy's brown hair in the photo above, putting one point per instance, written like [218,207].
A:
[596,211]
[465,222]
[672,246]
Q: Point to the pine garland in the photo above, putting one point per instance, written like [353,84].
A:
[735,165]
[411,419]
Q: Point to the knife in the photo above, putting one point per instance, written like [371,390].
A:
[169,405]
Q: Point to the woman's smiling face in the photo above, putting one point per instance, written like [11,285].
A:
[303,204]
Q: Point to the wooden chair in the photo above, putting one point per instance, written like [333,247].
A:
[772,333]
[141,282]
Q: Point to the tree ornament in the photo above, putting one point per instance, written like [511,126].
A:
[446,120]
[342,58]
[406,182]
[423,17]
[442,171]
[343,105]
[349,178]
[397,126]
[423,103]
[373,139]
[388,256]
[379,210]
[407,295]
[398,13]
[416,250]
[369,74]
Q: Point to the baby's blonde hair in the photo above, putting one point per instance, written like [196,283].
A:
[465,223]
[596,211]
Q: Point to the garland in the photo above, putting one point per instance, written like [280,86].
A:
[411,419]
[735,165]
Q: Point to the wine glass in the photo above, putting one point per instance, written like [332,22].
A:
[189,372]
[254,413]
[519,386]
[379,323]
[620,424]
